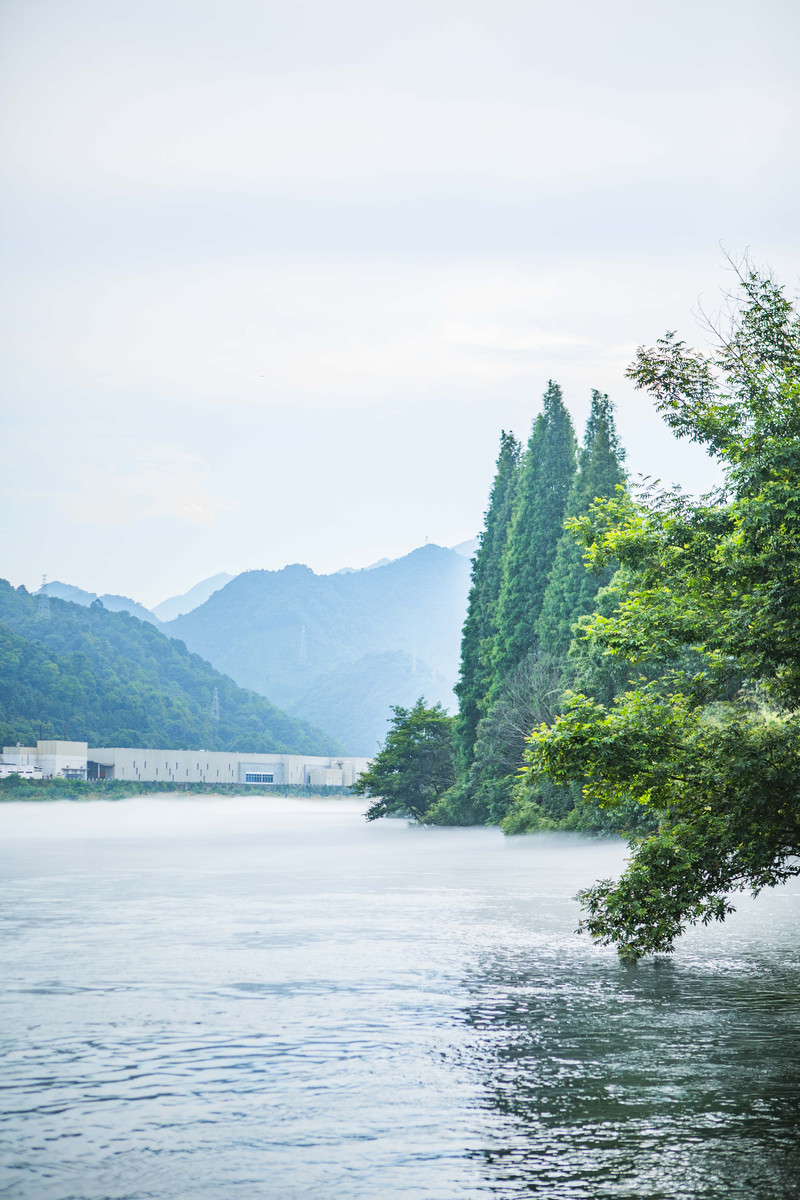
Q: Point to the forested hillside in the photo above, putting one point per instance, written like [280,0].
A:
[113,680]
[327,646]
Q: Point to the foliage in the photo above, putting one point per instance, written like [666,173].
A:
[529,695]
[15,788]
[538,803]
[706,730]
[113,680]
[414,767]
[479,630]
[530,583]
[571,588]
[545,479]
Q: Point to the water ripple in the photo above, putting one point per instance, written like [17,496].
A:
[360,1011]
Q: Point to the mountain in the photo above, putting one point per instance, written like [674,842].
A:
[124,604]
[114,680]
[67,591]
[467,548]
[356,699]
[288,633]
[352,570]
[176,606]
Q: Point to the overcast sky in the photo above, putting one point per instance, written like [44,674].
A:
[277,275]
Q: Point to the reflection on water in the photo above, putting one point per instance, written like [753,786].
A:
[674,1079]
[268,998]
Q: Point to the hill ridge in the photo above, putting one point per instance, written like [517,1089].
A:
[286,634]
[117,680]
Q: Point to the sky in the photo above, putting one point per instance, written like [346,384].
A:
[277,275]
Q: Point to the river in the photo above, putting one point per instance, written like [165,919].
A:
[268,999]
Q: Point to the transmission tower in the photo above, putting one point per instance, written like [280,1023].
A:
[303,649]
[215,705]
[43,612]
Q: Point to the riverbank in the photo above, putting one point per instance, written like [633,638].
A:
[15,788]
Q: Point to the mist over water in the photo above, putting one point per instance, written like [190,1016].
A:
[250,997]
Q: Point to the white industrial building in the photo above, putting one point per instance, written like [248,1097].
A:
[20,760]
[47,760]
[76,760]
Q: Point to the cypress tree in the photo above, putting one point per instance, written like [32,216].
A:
[572,589]
[545,479]
[479,626]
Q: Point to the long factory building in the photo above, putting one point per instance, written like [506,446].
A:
[77,760]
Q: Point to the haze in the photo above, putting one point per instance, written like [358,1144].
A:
[278,275]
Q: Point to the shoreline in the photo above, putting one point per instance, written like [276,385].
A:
[38,791]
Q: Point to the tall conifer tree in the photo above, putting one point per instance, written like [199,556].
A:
[479,626]
[572,588]
[545,479]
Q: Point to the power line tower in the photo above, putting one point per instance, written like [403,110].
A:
[43,611]
[215,705]
[303,648]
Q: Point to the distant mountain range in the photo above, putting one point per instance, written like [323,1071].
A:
[113,680]
[343,646]
[355,699]
[467,548]
[76,595]
[176,606]
[336,650]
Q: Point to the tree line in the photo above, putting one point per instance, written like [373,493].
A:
[640,666]
[529,585]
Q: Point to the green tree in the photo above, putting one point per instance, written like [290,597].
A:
[479,626]
[572,588]
[706,732]
[542,483]
[415,765]
[529,695]
[536,526]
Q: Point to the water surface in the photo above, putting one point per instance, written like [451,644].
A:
[268,998]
